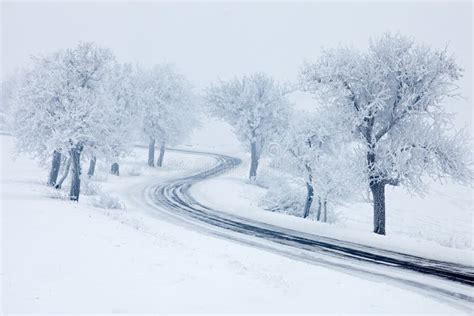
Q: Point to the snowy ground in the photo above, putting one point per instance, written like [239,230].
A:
[438,225]
[59,256]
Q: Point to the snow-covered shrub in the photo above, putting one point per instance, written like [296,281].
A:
[263,179]
[56,194]
[287,195]
[134,171]
[283,195]
[100,176]
[108,201]
[89,187]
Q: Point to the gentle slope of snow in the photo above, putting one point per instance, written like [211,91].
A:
[60,256]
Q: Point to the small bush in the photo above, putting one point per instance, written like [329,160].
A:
[100,176]
[287,195]
[56,194]
[283,197]
[107,201]
[267,178]
[134,171]
[89,187]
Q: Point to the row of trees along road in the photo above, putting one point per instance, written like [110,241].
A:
[378,118]
[80,103]
[380,121]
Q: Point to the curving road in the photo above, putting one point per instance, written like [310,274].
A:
[445,281]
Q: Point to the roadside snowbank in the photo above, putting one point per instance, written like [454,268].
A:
[438,226]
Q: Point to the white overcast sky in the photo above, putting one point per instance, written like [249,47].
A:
[212,40]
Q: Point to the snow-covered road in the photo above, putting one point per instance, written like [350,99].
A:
[446,281]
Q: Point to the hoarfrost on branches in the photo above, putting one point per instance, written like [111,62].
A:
[255,106]
[395,93]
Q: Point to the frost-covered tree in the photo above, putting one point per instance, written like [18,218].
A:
[9,94]
[317,148]
[34,111]
[169,110]
[123,113]
[394,95]
[126,113]
[255,106]
[61,106]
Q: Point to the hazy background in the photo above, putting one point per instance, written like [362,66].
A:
[218,40]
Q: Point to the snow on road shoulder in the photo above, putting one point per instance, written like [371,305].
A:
[60,256]
[430,227]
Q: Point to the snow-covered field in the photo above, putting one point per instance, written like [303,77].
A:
[60,256]
[438,225]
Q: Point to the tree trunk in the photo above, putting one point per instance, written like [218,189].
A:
[91,170]
[115,169]
[325,211]
[151,153]
[318,214]
[55,165]
[65,174]
[309,199]
[378,195]
[254,156]
[76,173]
[159,162]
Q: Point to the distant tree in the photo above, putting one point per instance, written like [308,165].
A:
[255,106]
[169,110]
[393,95]
[62,107]
[124,112]
[8,97]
